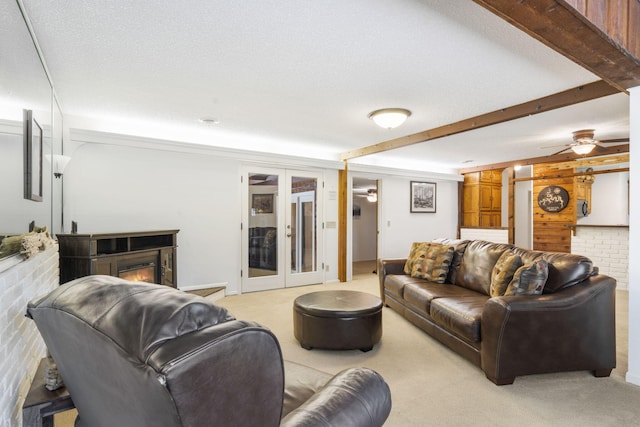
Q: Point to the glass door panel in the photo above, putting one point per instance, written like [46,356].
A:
[303,229]
[262,230]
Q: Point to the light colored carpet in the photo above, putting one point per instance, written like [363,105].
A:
[432,386]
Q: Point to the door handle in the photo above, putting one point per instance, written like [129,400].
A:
[288,234]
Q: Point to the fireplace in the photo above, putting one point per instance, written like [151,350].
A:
[148,256]
[139,273]
[139,267]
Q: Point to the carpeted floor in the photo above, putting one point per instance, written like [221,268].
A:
[432,386]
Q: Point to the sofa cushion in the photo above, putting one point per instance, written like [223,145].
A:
[460,315]
[420,294]
[433,264]
[417,249]
[564,269]
[394,284]
[503,272]
[459,247]
[477,265]
[529,279]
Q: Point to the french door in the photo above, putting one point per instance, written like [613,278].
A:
[281,228]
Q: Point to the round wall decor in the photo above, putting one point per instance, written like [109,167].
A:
[553,198]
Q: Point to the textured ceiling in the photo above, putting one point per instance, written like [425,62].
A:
[300,77]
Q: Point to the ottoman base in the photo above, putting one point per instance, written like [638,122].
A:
[318,322]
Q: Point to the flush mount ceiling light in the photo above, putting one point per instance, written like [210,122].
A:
[372,196]
[389,118]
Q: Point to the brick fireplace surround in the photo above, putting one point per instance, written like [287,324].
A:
[21,347]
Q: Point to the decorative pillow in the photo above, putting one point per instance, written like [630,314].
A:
[503,272]
[434,264]
[417,249]
[529,279]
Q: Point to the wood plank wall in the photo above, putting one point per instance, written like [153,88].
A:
[550,230]
[620,19]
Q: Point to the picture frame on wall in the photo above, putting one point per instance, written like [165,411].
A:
[423,197]
[262,203]
[32,140]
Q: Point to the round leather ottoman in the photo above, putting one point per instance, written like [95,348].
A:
[337,320]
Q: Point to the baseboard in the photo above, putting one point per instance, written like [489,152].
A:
[204,286]
[633,378]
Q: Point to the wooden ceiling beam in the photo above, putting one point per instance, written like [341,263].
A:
[572,96]
[565,157]
[564,29]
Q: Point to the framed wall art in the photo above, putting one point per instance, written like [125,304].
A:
[423,197]
[262,203]
[32,137]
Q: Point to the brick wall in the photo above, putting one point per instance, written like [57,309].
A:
[608,248]
[21,347]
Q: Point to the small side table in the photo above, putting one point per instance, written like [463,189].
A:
[41,404]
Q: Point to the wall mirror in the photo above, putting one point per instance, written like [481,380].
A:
[24,86]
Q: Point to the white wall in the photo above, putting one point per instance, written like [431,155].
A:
[523,211]
[119,188]
[399,227]
[115,188]
[364,231]
[609,200]
[633,373]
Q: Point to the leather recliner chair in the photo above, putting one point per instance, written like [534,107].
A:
[134,354]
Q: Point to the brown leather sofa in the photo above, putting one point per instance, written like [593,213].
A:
[134,354]
[569,327]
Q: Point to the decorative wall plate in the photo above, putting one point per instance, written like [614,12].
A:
[553,198]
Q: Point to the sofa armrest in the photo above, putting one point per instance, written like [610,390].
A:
[386,267]
[353,397]
[569,330]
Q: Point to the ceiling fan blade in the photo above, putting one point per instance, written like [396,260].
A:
[605,141]
[561,151]
[554,146]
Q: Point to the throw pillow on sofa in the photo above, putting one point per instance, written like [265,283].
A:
[503,272]
[529,279]
[433,264]
[417,249]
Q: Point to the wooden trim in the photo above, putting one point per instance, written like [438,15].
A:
[565,30]
[342,223]
[564,174]
[558,158]
[565,98]
[511,199]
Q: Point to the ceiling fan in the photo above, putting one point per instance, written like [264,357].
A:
[584,143]
[371,194]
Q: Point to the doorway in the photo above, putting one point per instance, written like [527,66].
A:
[364,247]
[282,237]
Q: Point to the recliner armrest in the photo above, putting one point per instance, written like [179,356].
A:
[353,397]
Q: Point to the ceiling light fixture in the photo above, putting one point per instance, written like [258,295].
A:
[389,118]
[583,147]
[372,196]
